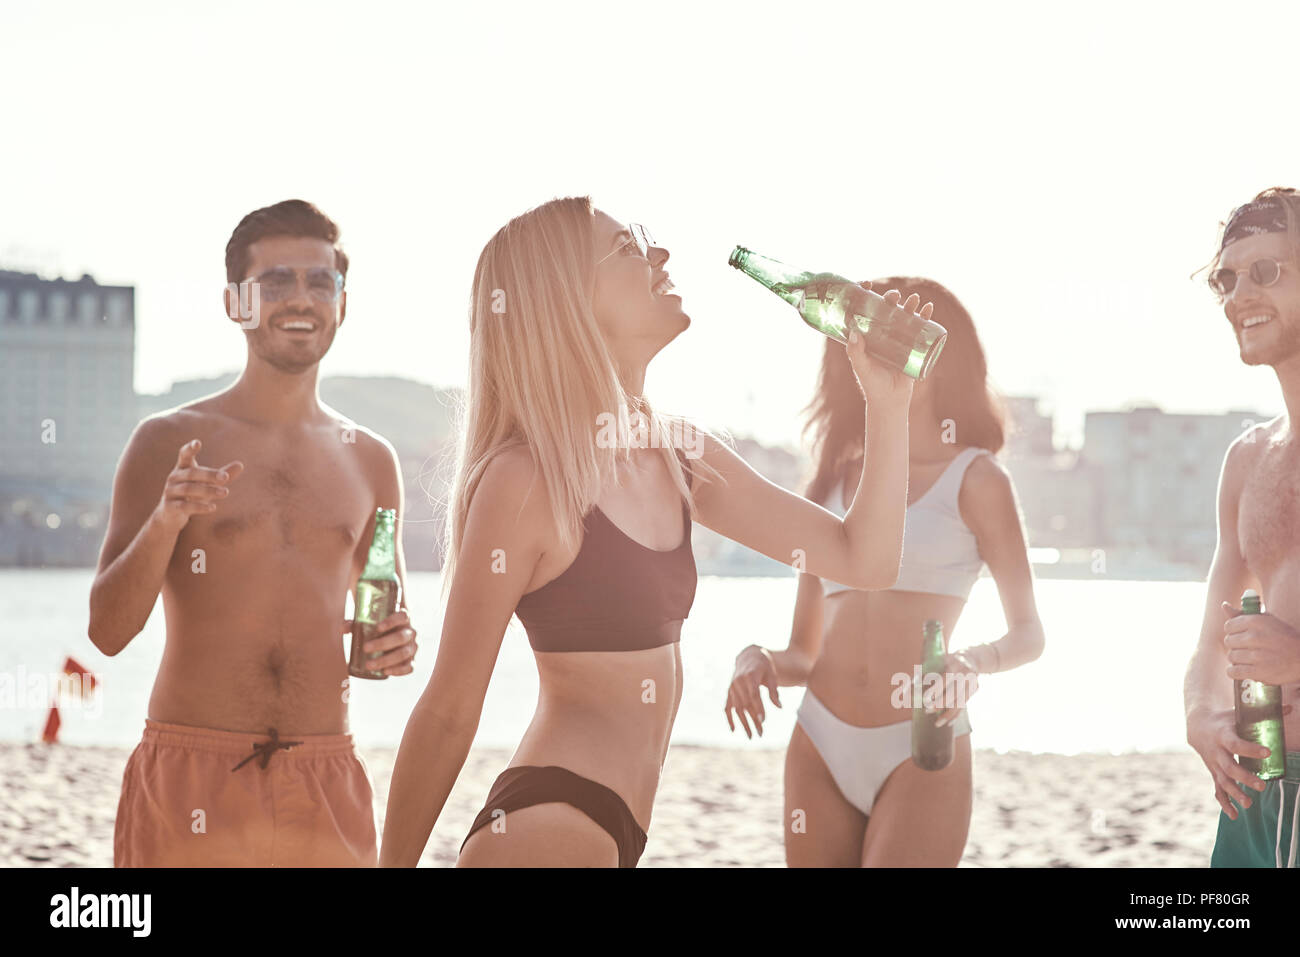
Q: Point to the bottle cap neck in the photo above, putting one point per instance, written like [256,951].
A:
[382,556]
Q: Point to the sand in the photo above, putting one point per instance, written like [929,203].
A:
[716,807]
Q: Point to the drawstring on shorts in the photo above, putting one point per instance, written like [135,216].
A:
[264,750]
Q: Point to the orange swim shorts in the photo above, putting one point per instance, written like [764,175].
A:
[196,797]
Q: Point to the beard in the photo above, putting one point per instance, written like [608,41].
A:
[1287,346]
[291,365]
[291,358]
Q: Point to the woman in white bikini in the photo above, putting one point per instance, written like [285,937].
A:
[853,797]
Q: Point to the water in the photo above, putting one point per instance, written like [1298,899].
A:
[1110,679]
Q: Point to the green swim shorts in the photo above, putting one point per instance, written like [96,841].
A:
[1264,834]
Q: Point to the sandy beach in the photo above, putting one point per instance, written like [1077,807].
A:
[717,807]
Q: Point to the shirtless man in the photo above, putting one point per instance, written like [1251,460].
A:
[1257,277]
[252,510]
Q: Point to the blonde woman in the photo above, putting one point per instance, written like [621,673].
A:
[853,796]
[582,528]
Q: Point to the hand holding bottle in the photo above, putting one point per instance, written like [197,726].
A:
[1221,737]
[391,650]
[884,388]
[1261,647]
[958,664]
[1213,736]
[378,608]
[900,338]
[1258,705]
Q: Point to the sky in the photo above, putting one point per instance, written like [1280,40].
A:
[1062,170]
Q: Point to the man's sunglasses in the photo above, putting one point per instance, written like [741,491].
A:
[281,283]
[1263,272]
[641,242]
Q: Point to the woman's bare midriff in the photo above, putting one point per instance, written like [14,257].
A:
[606,716]
[869,638]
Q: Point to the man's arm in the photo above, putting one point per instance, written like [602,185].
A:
[152,501]
[1207,690]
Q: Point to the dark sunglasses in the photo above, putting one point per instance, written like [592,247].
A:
[1263,272]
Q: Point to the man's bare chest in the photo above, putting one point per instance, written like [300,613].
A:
[293,495]
[1268,517]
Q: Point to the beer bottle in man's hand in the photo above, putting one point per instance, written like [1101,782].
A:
[1259,713]
[378,592]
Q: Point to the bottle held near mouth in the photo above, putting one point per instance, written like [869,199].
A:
[378,592]
[828,302]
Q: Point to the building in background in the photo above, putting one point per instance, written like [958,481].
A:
[1157,476]
[1056,489]
[67,407]
[1136,501]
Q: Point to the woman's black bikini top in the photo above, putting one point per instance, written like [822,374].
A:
[618,595]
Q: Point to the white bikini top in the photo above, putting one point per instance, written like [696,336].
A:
[940,555]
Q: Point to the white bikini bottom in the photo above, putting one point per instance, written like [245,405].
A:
[860,759]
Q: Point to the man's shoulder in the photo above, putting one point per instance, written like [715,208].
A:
[205,410]
[376,449]
[176,425]
[1269,429]
[366,439]
[1246,447]
[1246,454]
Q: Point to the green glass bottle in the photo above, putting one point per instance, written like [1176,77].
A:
[931,745]
[378,592]
[1258,709]
[827,302]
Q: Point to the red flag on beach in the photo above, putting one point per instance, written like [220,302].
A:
[83,685]
[51,733]
[88,681]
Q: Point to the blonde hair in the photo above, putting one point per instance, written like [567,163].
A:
[541,375]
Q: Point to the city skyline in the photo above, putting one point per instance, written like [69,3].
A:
[67,358]
[1067,436]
